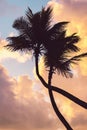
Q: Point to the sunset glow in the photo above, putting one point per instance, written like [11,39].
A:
[24,101]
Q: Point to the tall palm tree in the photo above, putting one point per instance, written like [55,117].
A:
[25,41]
[37,35]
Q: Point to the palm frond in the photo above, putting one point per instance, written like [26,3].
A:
[65,70]
[20,23]
[71,48]
[36,30]
[76,58]
[58,28]
[41,24]
[23,27]
[58,65]
[29,15]
[18,43]
[46,18]
[73,39]
[36,20]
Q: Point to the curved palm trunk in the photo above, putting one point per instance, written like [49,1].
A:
[70,96]
[59,115]
[59,90]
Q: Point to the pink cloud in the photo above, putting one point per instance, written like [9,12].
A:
[18,111]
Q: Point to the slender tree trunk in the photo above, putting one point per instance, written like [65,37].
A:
[59,90]
[70,96]
[59,115]
[52,99]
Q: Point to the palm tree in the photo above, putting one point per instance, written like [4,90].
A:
[25,40]
[58,60]
[38,36]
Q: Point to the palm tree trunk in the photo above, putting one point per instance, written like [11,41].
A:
[59,90]
[70,96]
[59,115]
[52,98]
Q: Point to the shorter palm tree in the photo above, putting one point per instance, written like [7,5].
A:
[57,58]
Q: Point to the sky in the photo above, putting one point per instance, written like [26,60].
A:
[24,102]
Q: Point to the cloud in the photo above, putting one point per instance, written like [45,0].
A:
[6,54]
[21,106]
[78,121]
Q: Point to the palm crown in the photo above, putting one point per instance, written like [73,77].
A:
[32,31]
[37,35]
[58,50]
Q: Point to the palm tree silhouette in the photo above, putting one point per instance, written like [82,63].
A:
[37,35]
[60,61]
